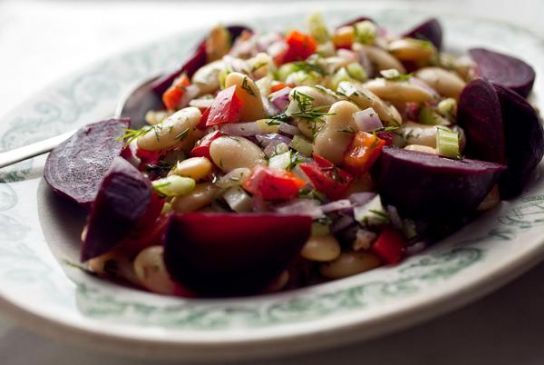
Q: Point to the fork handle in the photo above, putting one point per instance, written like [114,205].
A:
[34,149]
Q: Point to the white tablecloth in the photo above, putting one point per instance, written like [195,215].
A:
[41,41]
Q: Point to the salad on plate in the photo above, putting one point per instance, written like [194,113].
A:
[282,160]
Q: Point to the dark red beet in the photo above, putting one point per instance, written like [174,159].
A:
[501,126]
[429,30]
[125,204]
[524,141]
[504,70]
[437,193]
[196,61]
[479,114]
[75,168]
[232,254]
[356,20]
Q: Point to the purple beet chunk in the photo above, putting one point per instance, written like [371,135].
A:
[232,254]
[196,61]
[524,141]
[504,70]
[429,30]
[437,193]
[356,20]
[75,168]
[479,114]
[122,202]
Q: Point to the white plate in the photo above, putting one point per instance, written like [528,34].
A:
[38,288]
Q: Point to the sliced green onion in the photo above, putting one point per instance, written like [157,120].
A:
[318,28]
[281,161]
[447,143]
[365,32]
[356,71]
[302,145]
[174,185]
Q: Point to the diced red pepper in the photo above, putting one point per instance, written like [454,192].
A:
[327,178]
[277,86]
[203,119]
[225,108]
[273,184]
[148,157]
[300,46]
[390,246]
[202,148]
[173,95]
[363,152]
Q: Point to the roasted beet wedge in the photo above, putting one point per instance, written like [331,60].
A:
[193,63]
[479,114]
[232,254]
[504,70]
[501,126]
[75,168]
[125,204]
[437,193]
[430,30]
[524,141]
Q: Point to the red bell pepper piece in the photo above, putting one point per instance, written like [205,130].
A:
[203,119]
[272,184]
[202,148]
[390,246]
[300,46]
[225,108]
[173,95]
[363,152]
[327,178]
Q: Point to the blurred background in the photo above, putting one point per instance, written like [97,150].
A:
[43,40]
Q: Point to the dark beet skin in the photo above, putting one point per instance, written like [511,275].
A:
[504,70]
[479,114]
[196,61]
[524,141]
[437,193]
[232,254]
[75,168]
[430,30]
[124,205]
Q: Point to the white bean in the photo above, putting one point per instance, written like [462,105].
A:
[233,178]
[321,248]
[349,263]
[114,264]
[445,82]
[419,134]
[398,91]
[409,49]
[365,98]
[249,94]
[151,271]
[380,58]
[196,168]
[421,148]
[173,131]
[334,138]
[230,153]
[207,77]
[316,97]
[202,196]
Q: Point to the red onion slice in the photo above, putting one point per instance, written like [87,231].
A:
[280,98]
[367,120]
[241,129]
[336,206]
[306,207]
[289,129]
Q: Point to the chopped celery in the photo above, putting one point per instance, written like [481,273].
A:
[174,185]
[303,78]
[447,143]
[302,145]
[318,28]
[356,71]
[326,49]
[365,32]
[320,228]
[371,214]
[280,161]
[285,70]
[428,116]
[340,75]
